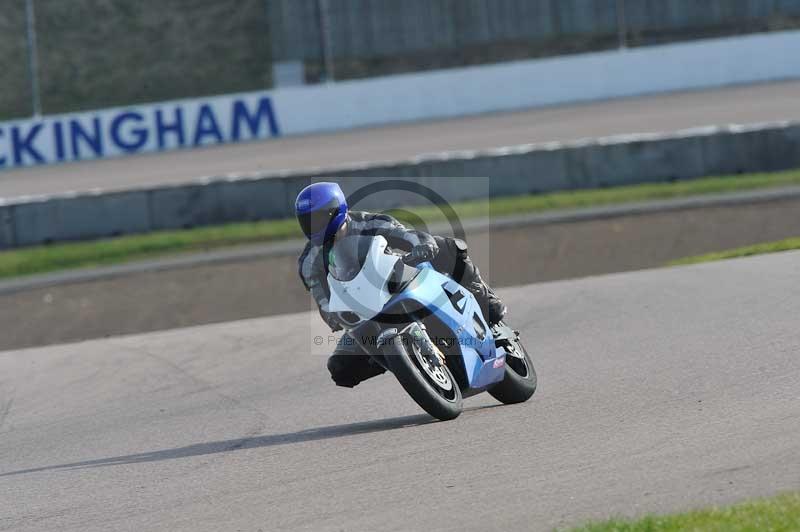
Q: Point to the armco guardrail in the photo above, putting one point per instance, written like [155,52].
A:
[526,169]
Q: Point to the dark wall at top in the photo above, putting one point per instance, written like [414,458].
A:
[15,98]
[98,53]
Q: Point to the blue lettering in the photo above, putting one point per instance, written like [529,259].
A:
[206,125]
[164,128]
[139,134]
[240,113]
[2,158]
[93,139]
[58,136]
[24,144]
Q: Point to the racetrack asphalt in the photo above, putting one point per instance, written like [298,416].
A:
[660,390]
[657,113]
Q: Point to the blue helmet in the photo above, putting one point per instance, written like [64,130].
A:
[321,209]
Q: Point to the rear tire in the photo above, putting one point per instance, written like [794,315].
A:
[435,398]
[520,381]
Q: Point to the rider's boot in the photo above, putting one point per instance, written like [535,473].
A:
[492,307]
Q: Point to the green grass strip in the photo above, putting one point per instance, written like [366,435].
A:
[778,514]
[758,249]
[55,257]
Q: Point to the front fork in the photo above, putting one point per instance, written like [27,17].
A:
[418,334]
[506,336]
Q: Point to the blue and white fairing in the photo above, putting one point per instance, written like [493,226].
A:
[458,310]
[358,275]
[359,283]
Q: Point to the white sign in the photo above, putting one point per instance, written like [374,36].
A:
[139,129]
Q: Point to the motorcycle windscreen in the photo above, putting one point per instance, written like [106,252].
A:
[359,270]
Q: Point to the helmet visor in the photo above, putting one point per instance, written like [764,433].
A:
[317,221]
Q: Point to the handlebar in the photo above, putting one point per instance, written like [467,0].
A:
[409,260]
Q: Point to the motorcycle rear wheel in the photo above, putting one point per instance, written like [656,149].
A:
[520,381]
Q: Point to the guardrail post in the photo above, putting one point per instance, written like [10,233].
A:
[622,24]
[33,57]
[326,39]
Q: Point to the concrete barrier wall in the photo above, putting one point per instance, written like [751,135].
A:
[521,84]
[516,170]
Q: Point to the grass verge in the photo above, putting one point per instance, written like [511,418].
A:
[778,514]
[758,249]
[42,259]
[55,257]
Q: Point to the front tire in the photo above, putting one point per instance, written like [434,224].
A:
[520,381]
[434,389]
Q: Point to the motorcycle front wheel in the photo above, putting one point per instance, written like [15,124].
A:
[431,386]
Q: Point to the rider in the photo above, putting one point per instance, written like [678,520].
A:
[323,214]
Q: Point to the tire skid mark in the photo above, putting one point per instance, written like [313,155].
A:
[202,385]
[5,408]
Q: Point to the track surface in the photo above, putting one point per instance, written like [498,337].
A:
[745,104]
[660,390]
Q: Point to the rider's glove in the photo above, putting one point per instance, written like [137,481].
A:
[331,320]
[423,253]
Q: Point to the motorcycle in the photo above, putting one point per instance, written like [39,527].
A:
[424,327]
